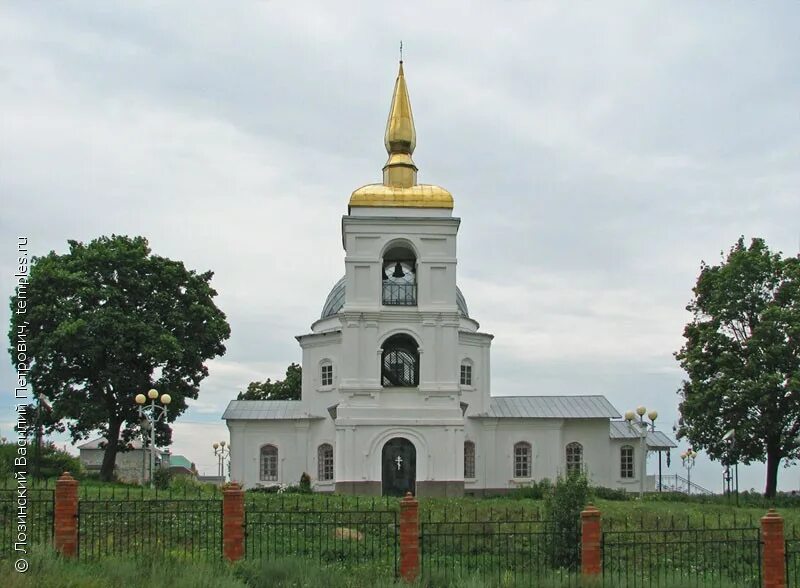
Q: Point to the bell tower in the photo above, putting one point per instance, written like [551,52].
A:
[400,316]
[399,396]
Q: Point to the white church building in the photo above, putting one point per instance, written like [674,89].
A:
[396,389]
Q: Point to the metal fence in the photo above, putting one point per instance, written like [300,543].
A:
[190,528]
[38,506]
[500,546]
[792,536]
[664,555]
[343,537]
[104,491]
[503,548]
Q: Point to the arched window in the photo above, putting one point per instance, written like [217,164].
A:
[400,362]
[466,373]
[399,277]
[574,457]
[325,462]
[326,373]
[626,461]
[469,459]
[522,460]
[269,463]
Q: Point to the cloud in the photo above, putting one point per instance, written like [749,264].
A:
[595,155]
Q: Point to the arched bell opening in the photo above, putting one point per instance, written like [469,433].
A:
[399,276]
[400,362]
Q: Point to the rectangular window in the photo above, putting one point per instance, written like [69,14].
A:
[522,460]
[466,374]
[327,375]
[626,462]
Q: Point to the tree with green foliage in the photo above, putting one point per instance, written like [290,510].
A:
[109,320]
[742,358]
[53,461]
[286,389]
[563,503]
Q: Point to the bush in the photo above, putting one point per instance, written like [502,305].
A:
[275,489]
[563,506]
[610,493]
[54,461]
[263,490]
[535,491]
[162,478]
[305,484]
[188,484]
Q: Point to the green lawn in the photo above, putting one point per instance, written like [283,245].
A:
[49,571]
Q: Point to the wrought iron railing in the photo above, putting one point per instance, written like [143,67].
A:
[38,517]
[399,294]
[148,528]
[677,483]
[792,536]
[501,547]
[673,553]
[365,534]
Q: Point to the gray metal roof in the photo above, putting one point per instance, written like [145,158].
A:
[335,300]
[550,407]
[249,410]
[655,439]
[100,443]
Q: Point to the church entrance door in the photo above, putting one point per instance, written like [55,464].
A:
[399,467]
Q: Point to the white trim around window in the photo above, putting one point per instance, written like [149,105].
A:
[327,375]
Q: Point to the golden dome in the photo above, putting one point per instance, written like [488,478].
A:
[399,187]
[419,196]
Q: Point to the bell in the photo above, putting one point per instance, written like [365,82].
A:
[398,271]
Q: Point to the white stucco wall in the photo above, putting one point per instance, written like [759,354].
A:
[615,478]
[128,464]
[592,434]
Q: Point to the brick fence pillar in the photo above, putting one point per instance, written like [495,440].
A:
[591,532]
[774,560]
[65,516]
[409,538]
[233,522]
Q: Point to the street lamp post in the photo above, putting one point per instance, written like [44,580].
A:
[222,452]
[730,439]
[636,422]
[149,419]
[688,457]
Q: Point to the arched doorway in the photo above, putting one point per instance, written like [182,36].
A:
[399,467]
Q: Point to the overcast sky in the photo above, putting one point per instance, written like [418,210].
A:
[597,152]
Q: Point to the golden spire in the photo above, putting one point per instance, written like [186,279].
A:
[400,138]
[399,187]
